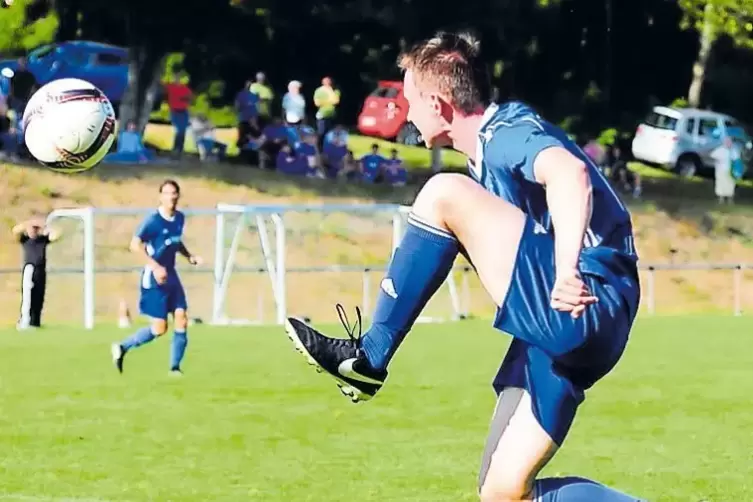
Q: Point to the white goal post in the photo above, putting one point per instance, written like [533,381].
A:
[268,226]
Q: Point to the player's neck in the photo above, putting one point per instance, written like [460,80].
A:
[464,133]
[166,213]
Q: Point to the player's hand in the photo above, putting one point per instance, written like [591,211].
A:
[160,275]
[570,294]
[195,260]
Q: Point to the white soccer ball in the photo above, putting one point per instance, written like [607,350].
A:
[69,125]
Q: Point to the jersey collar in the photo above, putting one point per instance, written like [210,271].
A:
[164,216]
[481,138]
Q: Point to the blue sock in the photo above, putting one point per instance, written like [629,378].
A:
[142,336]
[572,489]
[418,268]
[178,348]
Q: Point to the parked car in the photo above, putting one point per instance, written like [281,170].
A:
[682,139]
[385,114]
[105,66]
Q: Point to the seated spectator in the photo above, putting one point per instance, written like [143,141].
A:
[394,172]
[8,133]
[206,142]
[337,134]
[619,175]
[351,169]
[273,137]
[308,150]
[288,162]
[248,141]
[595,152]
[372,165]
[335,150]
[131,149]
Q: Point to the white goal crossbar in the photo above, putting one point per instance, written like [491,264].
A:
[270,223]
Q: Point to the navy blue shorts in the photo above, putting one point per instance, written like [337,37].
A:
[553,356]
[157,301]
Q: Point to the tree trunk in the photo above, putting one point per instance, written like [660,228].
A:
[704,51]
[144,71]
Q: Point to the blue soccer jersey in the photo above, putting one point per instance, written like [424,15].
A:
[510,138]
[372,166]
[554,356]
[162,237]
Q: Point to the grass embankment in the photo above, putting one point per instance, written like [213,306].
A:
[678,222]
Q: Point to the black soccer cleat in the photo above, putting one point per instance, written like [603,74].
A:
[118,354]
[341,358]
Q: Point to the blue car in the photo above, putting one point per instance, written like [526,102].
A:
[105,66]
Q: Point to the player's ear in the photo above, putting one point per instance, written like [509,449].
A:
[436,103]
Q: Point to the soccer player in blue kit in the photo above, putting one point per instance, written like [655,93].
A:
[157,241]
[552,244]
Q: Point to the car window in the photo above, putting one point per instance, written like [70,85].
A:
[708,127]
[76,58]
[109,59]
[385,92]
[661,121]
[690,125]
[42,52]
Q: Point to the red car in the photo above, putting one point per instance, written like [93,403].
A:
[385,114]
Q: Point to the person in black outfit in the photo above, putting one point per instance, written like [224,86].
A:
[22,86]
[34,237]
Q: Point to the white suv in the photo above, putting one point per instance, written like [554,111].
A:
[682,139]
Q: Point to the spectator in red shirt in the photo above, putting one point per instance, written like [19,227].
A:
[179,97]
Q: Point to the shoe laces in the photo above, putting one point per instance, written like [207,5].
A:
[350,329]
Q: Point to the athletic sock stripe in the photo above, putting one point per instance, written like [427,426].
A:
[423,225]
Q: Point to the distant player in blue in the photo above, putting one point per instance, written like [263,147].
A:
[157,241]
[372,164]
[553,246]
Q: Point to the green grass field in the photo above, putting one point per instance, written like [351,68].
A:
[251,421]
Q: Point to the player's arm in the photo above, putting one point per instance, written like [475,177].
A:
[138,244]
[138,247]
[19,229]
[569,197]
[542,158]
[192,259]
[53,234]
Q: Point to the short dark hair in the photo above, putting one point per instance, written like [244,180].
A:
[375,146]
[451,63]
[171,183]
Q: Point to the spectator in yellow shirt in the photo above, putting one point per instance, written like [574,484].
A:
[265,94]
[326,99]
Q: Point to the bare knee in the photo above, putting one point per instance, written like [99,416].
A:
[440,195]
[181,320]
[159,327]
[512,489]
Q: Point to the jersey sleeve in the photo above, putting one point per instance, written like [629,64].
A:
[145,230]
[181,222]
[517,145]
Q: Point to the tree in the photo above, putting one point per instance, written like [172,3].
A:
[713,19]
[23,30]
[150,30]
